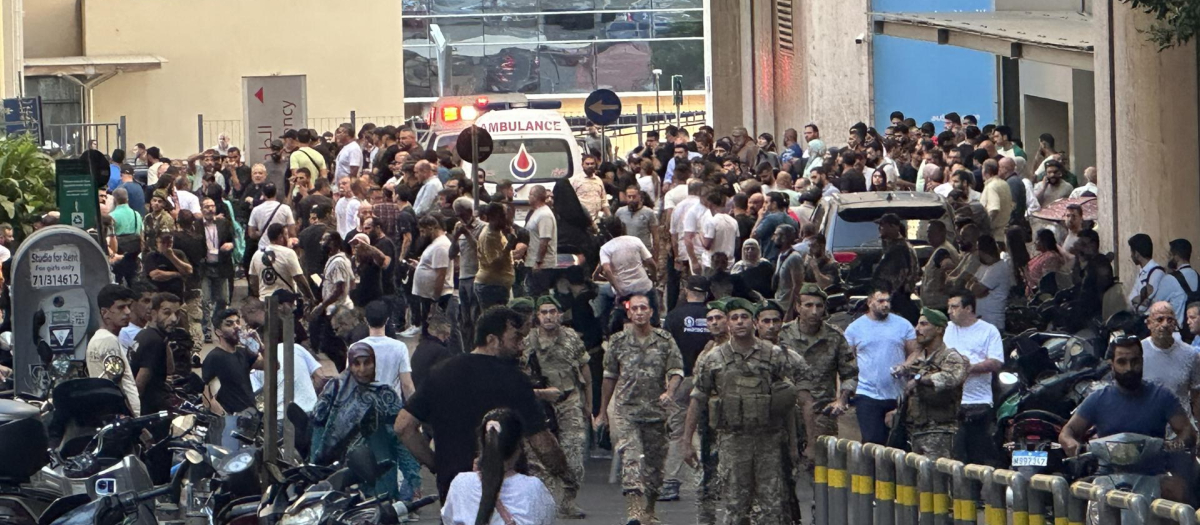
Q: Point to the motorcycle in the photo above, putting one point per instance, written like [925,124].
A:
[1030,419]
[125,508]
[1121,462]
[338,498]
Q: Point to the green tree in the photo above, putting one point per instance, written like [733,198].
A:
[1176,20]
[26,183]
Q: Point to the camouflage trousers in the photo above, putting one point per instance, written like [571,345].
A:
[933,444]
[708,487]
[193,314]
[751,478]
[572,438]
[643,449]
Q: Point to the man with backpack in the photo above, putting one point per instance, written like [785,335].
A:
[1182,286]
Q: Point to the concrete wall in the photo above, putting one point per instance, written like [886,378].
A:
[206,62]
[836,71]
[1147,152]
[1074,131]
[728,46]
[54,28]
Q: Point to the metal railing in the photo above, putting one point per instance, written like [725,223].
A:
[875,485]
[74,139]
[209,129]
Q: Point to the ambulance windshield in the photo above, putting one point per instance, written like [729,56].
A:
[525,160]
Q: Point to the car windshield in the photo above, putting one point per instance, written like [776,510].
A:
[848,234]
[445,142]
[526,160]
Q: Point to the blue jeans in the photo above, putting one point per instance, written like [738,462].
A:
[490,295]
[870,413]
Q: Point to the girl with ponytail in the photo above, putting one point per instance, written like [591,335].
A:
[495,494]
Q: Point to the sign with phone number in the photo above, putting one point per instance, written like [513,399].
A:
[58,266]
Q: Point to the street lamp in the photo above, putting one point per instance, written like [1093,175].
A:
[657,73]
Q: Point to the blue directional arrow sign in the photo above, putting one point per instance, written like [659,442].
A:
[602,107]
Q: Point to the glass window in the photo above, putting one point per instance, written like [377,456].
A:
[679,57]
[567,68]
[679,24]
[415,31]
[624,66]
[465,61]
[621,4]
[511,69]
[510,6]
[567,5]
[569,26]
[420,73]
[678,4]
[461,29]
[543,159]
[624,26]
[414,7]
[454,7]
[511,29]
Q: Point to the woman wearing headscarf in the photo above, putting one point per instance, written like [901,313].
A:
[816,155]
[576,233]
[356,411]
[753,269]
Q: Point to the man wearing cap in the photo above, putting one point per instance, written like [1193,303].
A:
[934,388]
[639,362]
[555,358]
[769,319]
[276,267]
[830,360]
[742,386]
[706,497]
[159,218]
[745,148]
[137,197]
[689,328]
[898,268]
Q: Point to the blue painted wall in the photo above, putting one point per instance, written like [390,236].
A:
[923,79]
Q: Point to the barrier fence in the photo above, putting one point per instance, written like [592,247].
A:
[870,484]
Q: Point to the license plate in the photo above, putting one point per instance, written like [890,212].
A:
[1025,458]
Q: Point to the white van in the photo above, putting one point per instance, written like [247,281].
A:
[529,147]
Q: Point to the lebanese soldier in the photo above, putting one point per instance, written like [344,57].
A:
[935,382]
[558,359]
[769,317]
[706,497]
[642,370]
[158,219]
[745,387]
[829,358]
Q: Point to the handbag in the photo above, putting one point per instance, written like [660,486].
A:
[131,243]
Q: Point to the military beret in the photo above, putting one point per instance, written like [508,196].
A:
[547,299]
[769,304]
[934,317]
[160,193]
[521,304]
[737,303]
[716,305]
[813,290]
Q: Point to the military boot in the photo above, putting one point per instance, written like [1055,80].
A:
[635,507]
[707,514]
[569,510]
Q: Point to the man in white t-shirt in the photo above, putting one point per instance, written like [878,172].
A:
[350,158]
[392,364]
[1144,291]
[719,231]
[186,199]
[881,341]
[542,255]
[277,267]
[434,277]
[306,376]
[980,343]
[271,211]
[991,283]
[105,357]
[1168,361]
[693,235]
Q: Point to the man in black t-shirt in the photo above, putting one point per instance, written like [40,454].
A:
[151,358]
[166,266]
[313,256]
[687,322]
[453,402]
[226,375]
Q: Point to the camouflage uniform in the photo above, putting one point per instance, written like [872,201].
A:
[563,361]
[708,486]
[829,357]
[642,369]
[932,413]
[735,391]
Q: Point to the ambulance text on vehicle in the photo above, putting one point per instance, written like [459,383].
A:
[529,147]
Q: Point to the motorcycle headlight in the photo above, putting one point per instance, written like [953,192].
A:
[306,516]
[362,517]
[1123,453]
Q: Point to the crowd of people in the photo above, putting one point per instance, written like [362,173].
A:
[676,299]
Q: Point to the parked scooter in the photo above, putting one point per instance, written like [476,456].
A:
[339,498]
[1124,462]
[124,508]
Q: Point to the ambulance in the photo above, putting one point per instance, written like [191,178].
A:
[450,115]
[529,147]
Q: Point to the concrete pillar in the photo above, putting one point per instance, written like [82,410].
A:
[1147,146]
[729,46]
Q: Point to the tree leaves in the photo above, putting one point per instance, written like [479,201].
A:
[26,183]
[1177,21]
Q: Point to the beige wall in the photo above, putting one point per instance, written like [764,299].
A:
[206,62]
[1156,143]
[836,70]
[53,28]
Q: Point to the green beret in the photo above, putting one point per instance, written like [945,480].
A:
[769,304]
[547,299]
[737,303]
[813,290]
[716,305]
[521,304]
[935,317]
[160,193]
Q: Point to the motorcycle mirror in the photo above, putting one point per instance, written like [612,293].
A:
[1008,378]
[194,457]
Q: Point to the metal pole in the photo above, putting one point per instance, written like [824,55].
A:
[837,482]
[639,125]
[821,480]
[603,138]
[860,494]
[906,489]
[1175,512]
[353,122]
[121,133]
[474,164]
[941,498]
[199,132]
[925,476]
[885,484]
[289,377]
[270,385]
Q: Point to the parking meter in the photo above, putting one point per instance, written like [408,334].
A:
[57,273]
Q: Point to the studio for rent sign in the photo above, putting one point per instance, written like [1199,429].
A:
[58,266]
[270,106]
